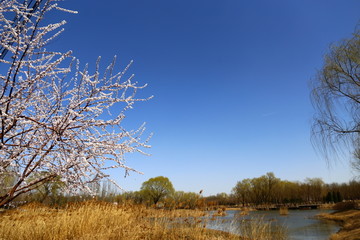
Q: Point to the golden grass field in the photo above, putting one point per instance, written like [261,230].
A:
[101,220]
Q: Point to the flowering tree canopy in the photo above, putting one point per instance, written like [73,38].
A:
[54,116]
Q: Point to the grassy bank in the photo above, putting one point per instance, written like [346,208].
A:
[96,220]
[350,222]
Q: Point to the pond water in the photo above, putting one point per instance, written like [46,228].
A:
[300,224]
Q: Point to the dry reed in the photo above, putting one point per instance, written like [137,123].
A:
[350,221]
[284,211]
[257,228]
[97,220]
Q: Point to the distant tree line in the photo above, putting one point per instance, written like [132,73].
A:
[155,192]
[268,189]
[159,192]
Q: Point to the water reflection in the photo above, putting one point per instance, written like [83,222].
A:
[300,224]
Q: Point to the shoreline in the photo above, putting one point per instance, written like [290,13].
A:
[349,221]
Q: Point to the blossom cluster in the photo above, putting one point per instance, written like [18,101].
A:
[57,120]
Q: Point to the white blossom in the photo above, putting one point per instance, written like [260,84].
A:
[52,112]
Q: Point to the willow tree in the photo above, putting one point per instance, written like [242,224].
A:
[56,118]
[336,98]
[157,188]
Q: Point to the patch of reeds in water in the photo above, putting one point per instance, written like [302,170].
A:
[258,228]
[284,211]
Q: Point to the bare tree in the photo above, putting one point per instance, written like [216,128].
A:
[56,119]
[336,98]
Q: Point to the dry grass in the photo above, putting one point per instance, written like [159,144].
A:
[350,221]
[284,211]
[260,229]
[96,220]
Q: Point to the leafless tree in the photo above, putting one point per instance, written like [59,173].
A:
[336,98]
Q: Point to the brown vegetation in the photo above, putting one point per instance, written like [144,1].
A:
[99,220]
[284,211]
[349,219]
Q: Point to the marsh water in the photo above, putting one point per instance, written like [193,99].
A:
[300,224]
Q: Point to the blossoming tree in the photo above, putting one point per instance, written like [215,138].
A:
[56,120]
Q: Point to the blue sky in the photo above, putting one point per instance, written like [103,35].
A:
[230,81]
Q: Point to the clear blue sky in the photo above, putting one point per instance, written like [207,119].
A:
[230,81]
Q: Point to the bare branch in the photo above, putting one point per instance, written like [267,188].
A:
[336,98]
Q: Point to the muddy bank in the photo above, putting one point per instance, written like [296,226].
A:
[349,221]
